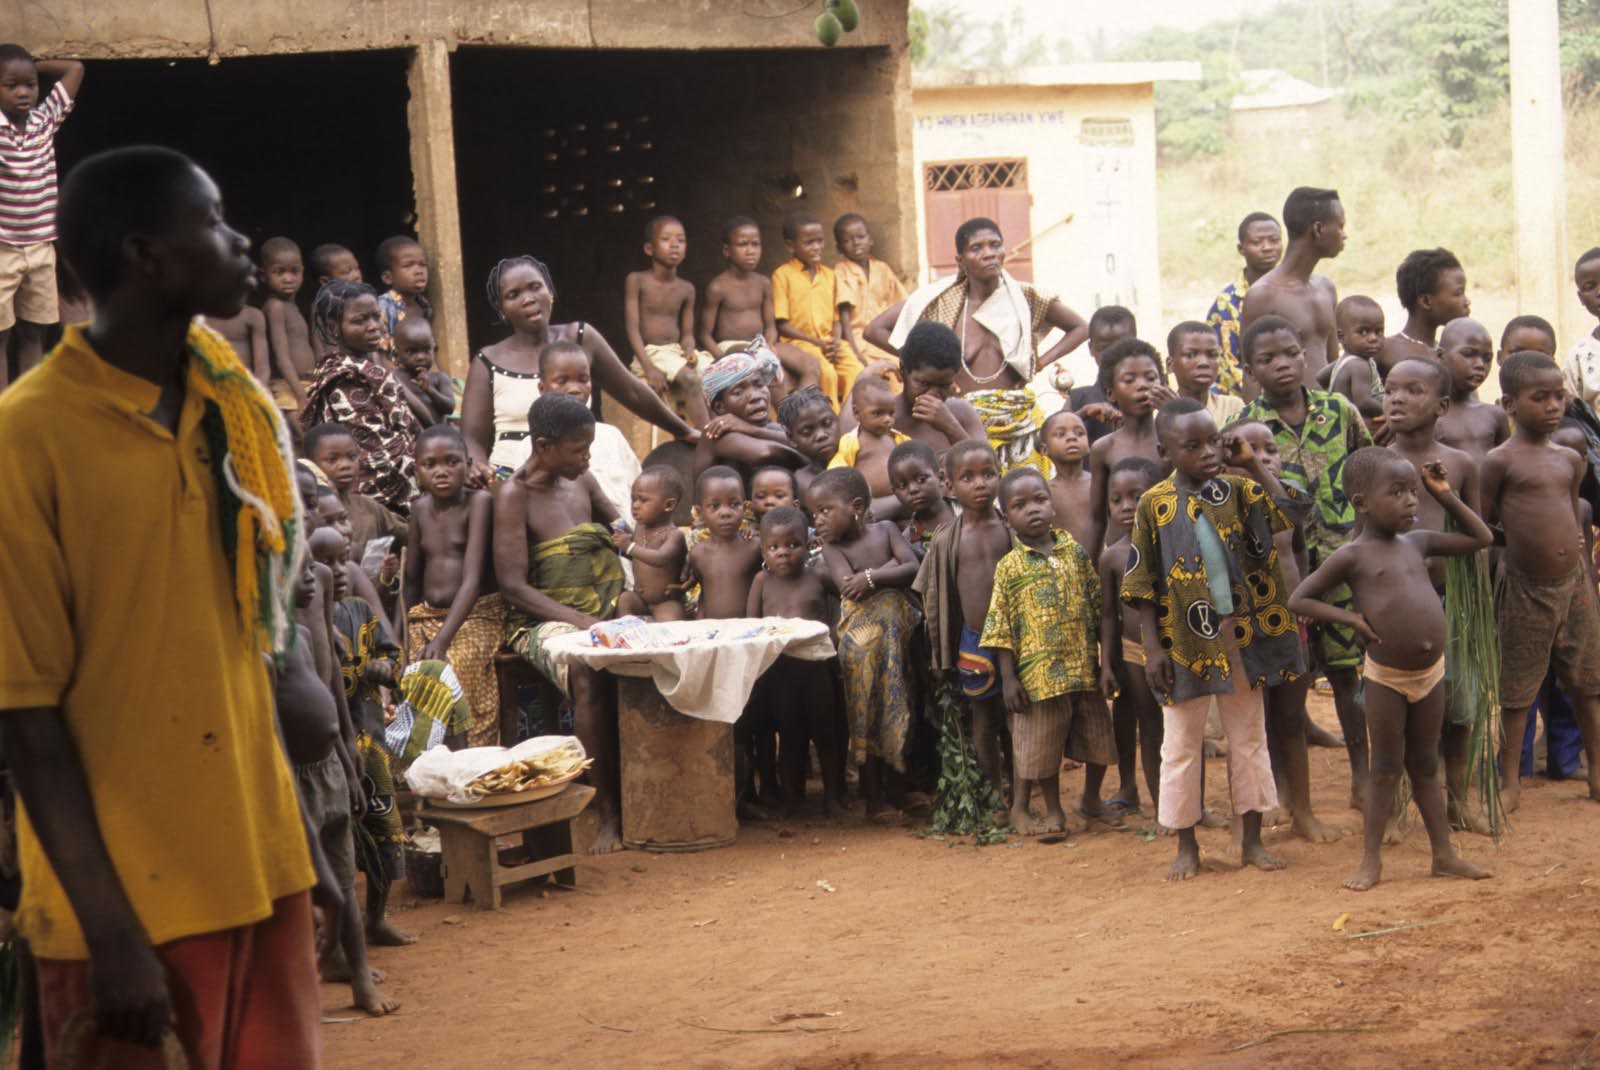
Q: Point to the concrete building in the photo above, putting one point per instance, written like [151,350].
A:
[556,127]
[1064,159]
[1275,104]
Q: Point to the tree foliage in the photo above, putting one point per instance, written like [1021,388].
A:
[946,38]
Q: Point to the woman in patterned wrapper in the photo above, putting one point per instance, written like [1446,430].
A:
[1000,321]
[354,387]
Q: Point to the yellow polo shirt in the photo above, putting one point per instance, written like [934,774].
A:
[116,605]
[809,302]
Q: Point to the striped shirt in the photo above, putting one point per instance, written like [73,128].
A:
[28,171]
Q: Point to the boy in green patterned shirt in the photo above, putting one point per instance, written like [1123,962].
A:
[1044,624]
[1315,431]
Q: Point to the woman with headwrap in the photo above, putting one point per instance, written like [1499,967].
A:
[1000,321]
[503,379]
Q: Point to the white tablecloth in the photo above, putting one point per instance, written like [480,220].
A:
[711,674]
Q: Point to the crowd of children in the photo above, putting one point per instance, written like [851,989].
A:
[1193,537]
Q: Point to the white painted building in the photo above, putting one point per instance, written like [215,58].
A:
[1064,159]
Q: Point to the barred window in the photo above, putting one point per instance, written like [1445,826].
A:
[976,174]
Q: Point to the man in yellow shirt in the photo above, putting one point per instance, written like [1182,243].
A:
[805,303]
[164,857]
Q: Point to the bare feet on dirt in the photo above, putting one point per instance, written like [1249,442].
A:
[1456,866]
[382,934]
[1261,858]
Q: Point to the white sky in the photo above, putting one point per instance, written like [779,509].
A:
[1077,20]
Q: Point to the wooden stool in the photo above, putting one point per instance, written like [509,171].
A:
[512,673]
[471,863]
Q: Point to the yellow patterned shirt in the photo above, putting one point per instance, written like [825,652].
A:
[1165,567]
[1226,318]
[1046,610]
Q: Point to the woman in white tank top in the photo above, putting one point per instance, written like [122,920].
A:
[503,379]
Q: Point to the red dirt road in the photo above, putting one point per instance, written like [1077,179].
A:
[931,956]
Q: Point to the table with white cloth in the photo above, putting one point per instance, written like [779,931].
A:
[677,699]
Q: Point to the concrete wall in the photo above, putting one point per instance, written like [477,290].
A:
[108,29]
[737,138]
[1107,254]
[768,104]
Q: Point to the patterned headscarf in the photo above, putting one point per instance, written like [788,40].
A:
[757,358]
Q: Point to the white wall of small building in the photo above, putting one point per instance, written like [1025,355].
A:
[1107,253]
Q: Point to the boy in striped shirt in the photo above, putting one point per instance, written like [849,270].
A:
[28,197]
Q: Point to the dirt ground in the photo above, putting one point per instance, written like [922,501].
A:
[829,946]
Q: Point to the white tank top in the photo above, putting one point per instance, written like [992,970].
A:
[513,394]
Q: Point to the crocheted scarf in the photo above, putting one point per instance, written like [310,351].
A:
[259,511]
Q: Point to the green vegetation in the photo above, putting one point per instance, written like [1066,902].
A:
[1422,154]
[1397,184]
[944,38]
[1436,65]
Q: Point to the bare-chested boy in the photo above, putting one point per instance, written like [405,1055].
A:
[1468,424]
[318,738]
[866,447]
[1135,711]
[1314,221]
[455,613]
[955,580]
[246,332]
[1065,441]
[1416,398]
[1398,615]
[658,311]
[1134,381]
[1545,602]
[800,693]
[1532,333]
[1433,291]
[920,486]
[288,336]
[724,562]
[559,572]
[1355,374]
[655,546]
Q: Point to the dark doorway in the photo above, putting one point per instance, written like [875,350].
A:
[311,146]
[567,155]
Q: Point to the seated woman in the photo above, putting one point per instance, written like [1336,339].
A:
[999,321]
[503,379]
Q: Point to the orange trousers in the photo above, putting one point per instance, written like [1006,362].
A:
[246,998]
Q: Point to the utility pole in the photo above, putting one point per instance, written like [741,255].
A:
[1538,151]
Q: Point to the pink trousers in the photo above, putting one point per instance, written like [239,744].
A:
[1244,722]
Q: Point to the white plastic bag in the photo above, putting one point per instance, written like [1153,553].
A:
[441,773]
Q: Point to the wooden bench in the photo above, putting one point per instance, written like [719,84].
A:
[471,863]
